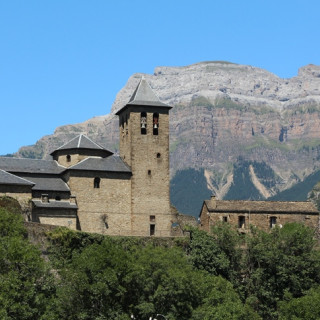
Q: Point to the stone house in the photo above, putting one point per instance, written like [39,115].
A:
[86,187]
[262,214]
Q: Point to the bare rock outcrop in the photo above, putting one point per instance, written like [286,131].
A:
[223,112]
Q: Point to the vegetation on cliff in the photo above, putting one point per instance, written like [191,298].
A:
[188,189]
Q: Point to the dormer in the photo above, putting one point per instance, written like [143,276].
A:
[77,149]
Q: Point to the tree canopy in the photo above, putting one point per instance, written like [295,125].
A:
[221,275]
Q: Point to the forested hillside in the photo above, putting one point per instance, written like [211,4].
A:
[220,276]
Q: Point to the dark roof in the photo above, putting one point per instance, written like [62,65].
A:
[112,163]
[244,206]
[54,204]
[81,142]
[49,184]
[8,178]
[144,96]
[30,165]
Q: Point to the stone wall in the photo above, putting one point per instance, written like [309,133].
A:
[263,221]
[260,220]
[204,219]
[56,216]
[74,156]
[148,156]
[70,222]
[107,209]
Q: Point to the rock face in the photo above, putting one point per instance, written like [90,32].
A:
[224,114]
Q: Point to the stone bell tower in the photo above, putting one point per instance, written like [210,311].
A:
[144,146]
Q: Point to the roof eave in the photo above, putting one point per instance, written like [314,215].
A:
[143,104]
[84,149]
[98,170]
[260,211]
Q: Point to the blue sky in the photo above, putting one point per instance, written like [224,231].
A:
[63,61]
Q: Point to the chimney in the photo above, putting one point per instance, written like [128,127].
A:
[213,201]
[45,198]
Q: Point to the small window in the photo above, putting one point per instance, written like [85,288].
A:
[96,182]
[152,229]
[155,123]
[152,218]
[273,222]
[68,158]
[158,155]
[149,172]
[45,198]
[242,222]
[225,219]
[58,198]
[143,123]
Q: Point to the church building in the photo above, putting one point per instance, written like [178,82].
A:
[86,187]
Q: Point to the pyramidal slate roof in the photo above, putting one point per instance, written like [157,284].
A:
[8,178]
[144,96]
[81,142]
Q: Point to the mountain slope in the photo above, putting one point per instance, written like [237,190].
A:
[224,112]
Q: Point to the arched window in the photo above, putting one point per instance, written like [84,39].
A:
[143,123]
[96,182]
[68,157]
[155,123]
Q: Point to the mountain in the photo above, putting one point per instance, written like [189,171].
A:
[243,130]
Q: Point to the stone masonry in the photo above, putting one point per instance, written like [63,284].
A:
[242,214]
[86,187]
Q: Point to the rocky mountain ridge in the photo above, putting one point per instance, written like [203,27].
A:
[224,115]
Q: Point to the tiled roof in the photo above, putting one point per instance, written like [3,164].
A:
[261,206]
[54,204]
[81,142]
[144,96]
[112,163]
[8,178]
[30,165]
[48,184]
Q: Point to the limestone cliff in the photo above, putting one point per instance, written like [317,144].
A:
[224,114]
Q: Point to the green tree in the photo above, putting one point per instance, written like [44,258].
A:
[303,308]
[281,262]
[25,284]
[222,302]
[91,284]
[218,253]
[163,281]
[114,280]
